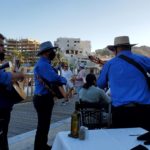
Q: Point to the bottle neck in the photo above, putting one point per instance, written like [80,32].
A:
[77,106]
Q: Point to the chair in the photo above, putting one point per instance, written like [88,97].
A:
[93,115]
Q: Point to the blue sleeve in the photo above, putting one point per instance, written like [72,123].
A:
[5,78]
[102,81]
[48,73]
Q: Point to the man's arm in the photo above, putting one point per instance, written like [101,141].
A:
[102,81]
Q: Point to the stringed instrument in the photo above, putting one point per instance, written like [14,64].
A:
[18,85]
[17,93]
[55,89]
[96,60]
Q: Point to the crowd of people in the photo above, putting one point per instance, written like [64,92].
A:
[129,92]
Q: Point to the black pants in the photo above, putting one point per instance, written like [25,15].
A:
[4,122]
[43,105]
[136,116]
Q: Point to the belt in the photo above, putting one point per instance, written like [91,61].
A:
[37,95]
[42,94]
[133,105]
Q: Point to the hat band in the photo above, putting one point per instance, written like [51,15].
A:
[123,44]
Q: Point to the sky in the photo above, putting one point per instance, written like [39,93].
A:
[98,21]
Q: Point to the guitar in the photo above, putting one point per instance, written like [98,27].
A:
[18,85]
[59,90]
[96,60]
[17,93]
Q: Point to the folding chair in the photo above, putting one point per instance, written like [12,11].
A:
[93,115]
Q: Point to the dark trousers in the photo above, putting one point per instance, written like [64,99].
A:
[4,122]
[136,116]
[43,105]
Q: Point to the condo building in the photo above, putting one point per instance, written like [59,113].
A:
[22,44]
[27,47]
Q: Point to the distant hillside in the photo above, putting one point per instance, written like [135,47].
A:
[143,50]
[103,52]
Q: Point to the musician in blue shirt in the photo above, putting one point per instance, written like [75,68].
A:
[130,93]
[6,102]
[43,98]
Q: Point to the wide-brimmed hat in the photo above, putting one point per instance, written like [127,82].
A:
[45,46]
[120,41]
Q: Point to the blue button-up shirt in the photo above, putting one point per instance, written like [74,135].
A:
[127,84]
[5,82]
[44,70]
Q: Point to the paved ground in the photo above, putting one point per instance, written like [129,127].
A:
[24,120]
[25,141]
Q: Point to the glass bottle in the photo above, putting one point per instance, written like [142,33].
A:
[75,122]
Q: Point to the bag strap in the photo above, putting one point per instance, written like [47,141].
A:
[135,64]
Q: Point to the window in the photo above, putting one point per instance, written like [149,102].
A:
[72,51]
[67,51]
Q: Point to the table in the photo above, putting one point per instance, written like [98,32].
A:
[102,139]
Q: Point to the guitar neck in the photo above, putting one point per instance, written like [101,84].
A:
[96,60]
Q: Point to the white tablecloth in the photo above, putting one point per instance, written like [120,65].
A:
[103,139]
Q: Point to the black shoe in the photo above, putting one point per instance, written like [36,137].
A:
[145,136]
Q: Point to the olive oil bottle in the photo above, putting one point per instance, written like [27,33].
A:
[75,122]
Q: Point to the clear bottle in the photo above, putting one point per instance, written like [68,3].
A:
[75,122]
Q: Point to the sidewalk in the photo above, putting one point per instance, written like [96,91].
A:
[25,141]
[24,116]
[24,121]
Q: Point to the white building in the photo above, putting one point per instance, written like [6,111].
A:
[85,47]
[73,46]
[75,50]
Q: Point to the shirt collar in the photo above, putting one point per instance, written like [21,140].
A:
[124,52]
[45,59]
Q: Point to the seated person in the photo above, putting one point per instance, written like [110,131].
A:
[90,93]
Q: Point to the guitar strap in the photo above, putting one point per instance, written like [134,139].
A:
[136,65]
[46,85]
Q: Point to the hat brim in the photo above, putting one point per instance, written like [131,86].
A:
[45,50]
[113,47]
